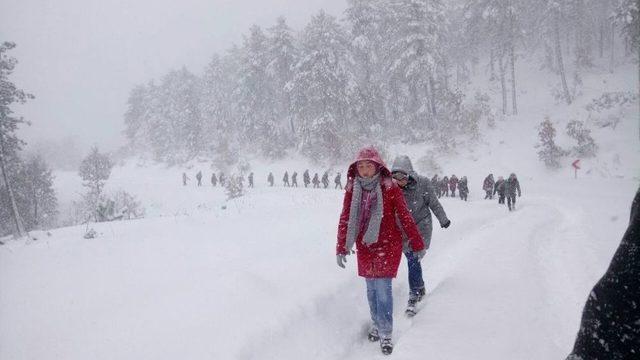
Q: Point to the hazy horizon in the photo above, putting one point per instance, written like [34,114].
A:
[81,58]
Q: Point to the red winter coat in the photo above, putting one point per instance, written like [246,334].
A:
[381,259]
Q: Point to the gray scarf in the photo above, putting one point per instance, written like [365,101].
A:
[373,228]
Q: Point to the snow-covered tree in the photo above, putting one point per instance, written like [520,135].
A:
[320,88]
[628,15]
[43,204]
[10,143]
[586,147]
[95,169]
[499,25]
[549,152]
[282,55]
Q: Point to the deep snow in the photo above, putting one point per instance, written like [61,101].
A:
[258,280]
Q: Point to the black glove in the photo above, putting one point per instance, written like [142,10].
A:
[446,224]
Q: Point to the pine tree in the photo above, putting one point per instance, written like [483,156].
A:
[549,152]
[10,144]
[586,147]
[94,170]
[42,201]
[218,107]
[282,55]
[319,89]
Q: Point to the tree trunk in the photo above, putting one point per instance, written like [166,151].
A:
[556,30]
[613,47]
[512,58]
[19,231]
[503,85]
[432,90]
[492,60]
[601,40]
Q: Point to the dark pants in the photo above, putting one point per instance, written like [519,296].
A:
[416,283]
[500,198]
[489,195]
[511,201]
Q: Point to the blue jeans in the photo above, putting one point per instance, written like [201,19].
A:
[381,305]
[416,283]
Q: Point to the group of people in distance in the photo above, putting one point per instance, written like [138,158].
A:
[217,179]
[446,186]
[504,188]
[307,180]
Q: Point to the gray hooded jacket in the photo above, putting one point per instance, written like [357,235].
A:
[421,199]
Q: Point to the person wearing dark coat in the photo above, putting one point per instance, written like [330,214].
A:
[306,178]
[421,199]
[250,178]
[221,179]
[316,181]
[325,179]
[610,326]
[185,178]
[214,179]
[285,179]
[445,186]
[337,181]
[463,188]
[270,179]
[453,184]
[199,178]
[499,188]
[488,186]
[435,182]
[294,179]
[510,186]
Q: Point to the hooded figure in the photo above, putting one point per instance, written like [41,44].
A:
[372,203]
[421,200]
[294,179]
[463,188]
[488,186]
[444,185]
[510,186]
[453,184]
[306,178]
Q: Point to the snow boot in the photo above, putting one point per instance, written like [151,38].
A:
[386,346]
[414,299]
[373,335]
[411,309]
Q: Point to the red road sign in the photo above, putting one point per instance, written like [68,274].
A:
[576,164]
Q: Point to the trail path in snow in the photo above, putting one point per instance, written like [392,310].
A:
[500,286]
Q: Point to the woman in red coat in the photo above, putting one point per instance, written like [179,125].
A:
[372,203]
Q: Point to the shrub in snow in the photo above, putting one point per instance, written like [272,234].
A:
[609,100]
[586,145]
[95,170]
[233,187]
[549,152]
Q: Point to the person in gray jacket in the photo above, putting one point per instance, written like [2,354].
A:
[510,186]
[421,199]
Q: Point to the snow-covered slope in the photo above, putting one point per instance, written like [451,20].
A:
[255,277]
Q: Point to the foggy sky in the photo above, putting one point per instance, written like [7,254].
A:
[80,58]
